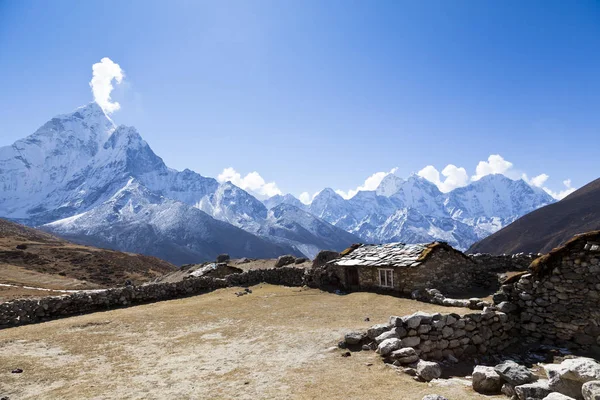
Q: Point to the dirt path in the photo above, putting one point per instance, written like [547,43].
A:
[275,343]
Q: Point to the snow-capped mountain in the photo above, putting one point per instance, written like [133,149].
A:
[284,223]
[138,220]
[81,176]
[414,210]
[287,224]
[285,199]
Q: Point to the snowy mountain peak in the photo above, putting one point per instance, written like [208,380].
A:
[389,185]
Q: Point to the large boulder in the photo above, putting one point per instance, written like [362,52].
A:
[324,256]
[284,260]
[533,391]
[428,370]
[591,390]
[388,345]
[514,373]
[354,337]
[569,376]
[486,380]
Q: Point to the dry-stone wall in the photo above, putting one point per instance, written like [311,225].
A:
[504,262]
[559,302]
[438,336]
[25,311]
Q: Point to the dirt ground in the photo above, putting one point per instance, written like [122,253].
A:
[275,343]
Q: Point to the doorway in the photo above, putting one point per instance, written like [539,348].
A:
[352,277]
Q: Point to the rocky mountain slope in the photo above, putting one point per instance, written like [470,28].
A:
[549,226]
[35,258]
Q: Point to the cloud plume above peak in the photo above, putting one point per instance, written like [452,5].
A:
[104,72]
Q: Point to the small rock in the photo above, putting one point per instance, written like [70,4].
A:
[428,370]
[591,390]
[514,373]
[377,330]
[386,335]
[533,391]
[486,380]
[346,354]
[354,337]
[388,345]
[285,260]
[508,390]
[557,396]
[434,397]
[17,371]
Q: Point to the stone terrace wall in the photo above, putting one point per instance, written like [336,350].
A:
[439,336]
[19,312]
[559,303]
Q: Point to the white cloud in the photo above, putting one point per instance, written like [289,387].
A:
[455,177]
[252,182]
[561,194]
[306,197]
[537,181]
[371,183]
[495,164]
[104,73]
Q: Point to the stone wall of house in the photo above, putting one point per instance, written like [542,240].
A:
[559,302]
[504,262]
[447,271]
[439,336]
[25,311]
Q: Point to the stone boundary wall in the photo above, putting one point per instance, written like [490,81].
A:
[27,311]
[440,336]
[504,262]
[558,303]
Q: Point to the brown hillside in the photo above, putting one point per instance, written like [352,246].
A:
[548,227]
[31,257]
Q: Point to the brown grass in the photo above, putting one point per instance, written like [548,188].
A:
[276,343]
[51,258]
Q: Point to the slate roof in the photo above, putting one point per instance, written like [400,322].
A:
[379,255]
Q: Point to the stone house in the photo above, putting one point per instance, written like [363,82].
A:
[559,300]
[402,268]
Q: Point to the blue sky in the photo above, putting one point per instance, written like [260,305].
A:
[312,94]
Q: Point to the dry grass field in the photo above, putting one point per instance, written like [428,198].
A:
[276,343]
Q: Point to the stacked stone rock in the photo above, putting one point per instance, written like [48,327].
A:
[504,262]
[434,296]
[559,303]
[25,311]
[438,336]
